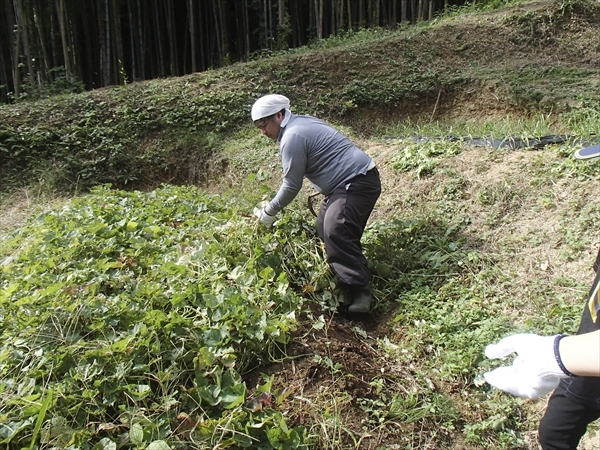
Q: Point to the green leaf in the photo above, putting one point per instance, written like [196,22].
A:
[105,444]
[210,394]
[136,434]
[233,396]
[267,274]
[158,445]
[121,345]
[10,429]
[131,226]
[319,323]
[114,313]
[243,441]
[138,391]
[205,358]
[40,418]
[57,431]
[276,437]
[153,230]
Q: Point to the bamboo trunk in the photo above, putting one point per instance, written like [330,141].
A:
[191,21]
[60,4]
[15,51]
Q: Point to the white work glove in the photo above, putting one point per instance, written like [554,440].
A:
[264,218]
[535,371]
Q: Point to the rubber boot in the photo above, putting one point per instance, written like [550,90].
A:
[361,301]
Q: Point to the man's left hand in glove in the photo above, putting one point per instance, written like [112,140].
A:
[536,370]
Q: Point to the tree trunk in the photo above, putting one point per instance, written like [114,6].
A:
[269,24]
[361,17]
[218,34]
[120,73]
[157,36]
[224,33]
[5,82]
[168,37]
[192,25]
[350,28]
[15,50]
[16,69]
[60,4]
[246,30]
[130,22]
[41,35]
[333,19]
[173,60]
[241,26]
[107,44]
[53,42]
[101,44]
[266,21]
[296,23]
[319,18]
[282,31]
[141,26]
[22,22]
[281,11]
[204,43]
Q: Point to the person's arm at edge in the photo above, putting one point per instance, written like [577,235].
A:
[580,354]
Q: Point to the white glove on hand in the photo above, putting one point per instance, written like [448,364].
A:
[264,218]
[535,371]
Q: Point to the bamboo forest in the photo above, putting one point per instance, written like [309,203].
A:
[58,46]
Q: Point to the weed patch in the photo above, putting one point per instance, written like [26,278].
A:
[143,308]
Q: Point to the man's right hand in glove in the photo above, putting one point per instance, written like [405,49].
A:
[265,218]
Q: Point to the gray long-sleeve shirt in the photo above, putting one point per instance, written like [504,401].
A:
[313,149]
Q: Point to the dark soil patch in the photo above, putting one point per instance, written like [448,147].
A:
[339,366]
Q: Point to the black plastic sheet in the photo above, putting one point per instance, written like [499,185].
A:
[511,142]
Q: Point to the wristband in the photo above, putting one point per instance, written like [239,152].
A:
[557,355]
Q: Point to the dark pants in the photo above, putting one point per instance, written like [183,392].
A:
[564,422]
[341,222]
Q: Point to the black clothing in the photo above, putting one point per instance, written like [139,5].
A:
[341,222]
[576,401]
[564,422]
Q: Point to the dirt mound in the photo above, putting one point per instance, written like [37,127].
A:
[337,365]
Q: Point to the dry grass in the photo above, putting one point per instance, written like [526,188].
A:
[20,205]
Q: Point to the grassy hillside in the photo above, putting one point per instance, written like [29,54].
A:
[162,317]
[470,67]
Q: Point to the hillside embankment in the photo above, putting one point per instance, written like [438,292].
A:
[540,57]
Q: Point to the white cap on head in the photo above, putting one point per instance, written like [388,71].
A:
[268,105]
